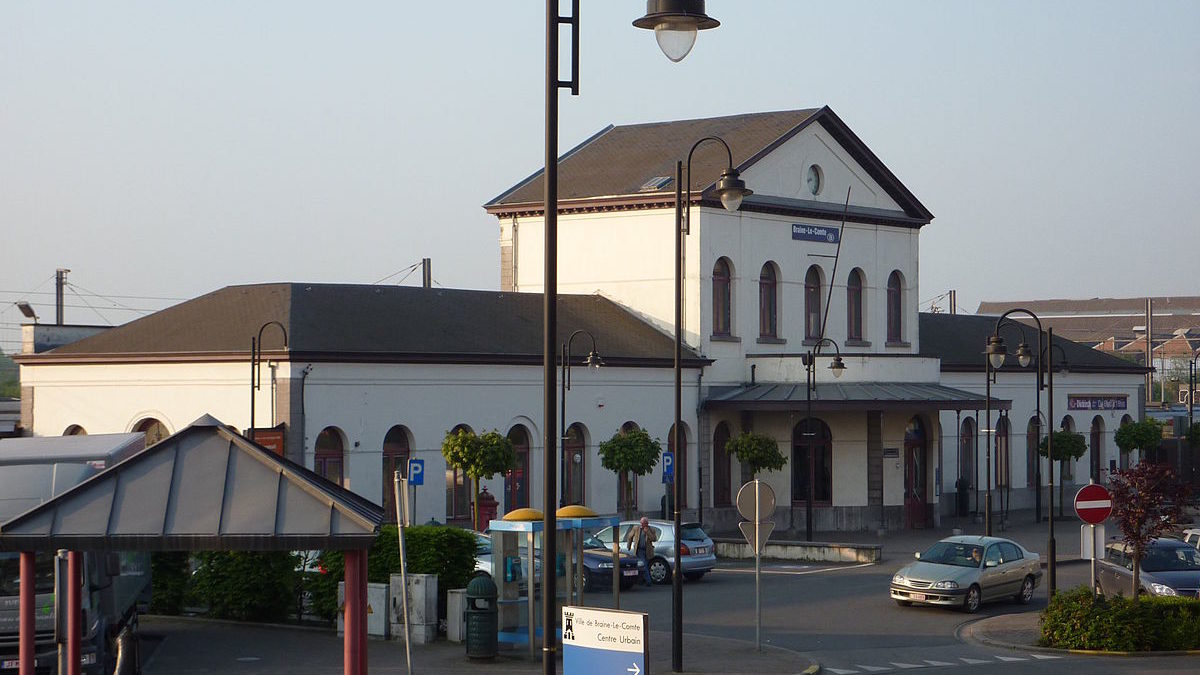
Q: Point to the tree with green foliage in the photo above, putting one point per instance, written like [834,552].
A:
[1143,436]
[1068,446]
[628,453]
[10,381]
[248,585]
[1147,500]
[478,457]
[757,451]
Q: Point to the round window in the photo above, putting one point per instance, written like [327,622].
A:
[815,179]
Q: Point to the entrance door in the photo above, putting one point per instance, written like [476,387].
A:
[914,475]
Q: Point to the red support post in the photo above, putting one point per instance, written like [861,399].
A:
[74,610]
[350,645]
[362,608]
[25,652]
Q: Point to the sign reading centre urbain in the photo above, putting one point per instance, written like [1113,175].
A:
[604,642]
[829,235]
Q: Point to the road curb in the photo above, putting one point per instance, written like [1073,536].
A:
[969,633]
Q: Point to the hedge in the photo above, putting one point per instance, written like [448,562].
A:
[248,586]
[1076,620]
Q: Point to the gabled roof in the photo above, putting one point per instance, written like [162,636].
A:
[345,322]
[959,340]
[614,166]
[205,488]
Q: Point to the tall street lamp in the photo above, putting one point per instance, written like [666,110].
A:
[675,23]
[996,353]
[593,360]
[255,358]
[1192,390]
[810,368]
[731,189]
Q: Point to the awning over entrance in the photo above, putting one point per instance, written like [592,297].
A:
[849,396]
[205,488]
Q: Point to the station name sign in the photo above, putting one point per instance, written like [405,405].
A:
[829,235]
[1097,402]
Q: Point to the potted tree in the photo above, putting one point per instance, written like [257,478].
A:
[1142,436]
[757,451]
[629,453]
[1068,445]
[478,457]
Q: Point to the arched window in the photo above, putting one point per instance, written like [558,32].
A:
[812,303]
[75,430]
[575,459]
[1003,460]
[722,492]
[812,436]
[458,490]
[627,488]
[854,305]
[895,307]
[681,464]
[722,298]
[1097,447]
[966,452]
[768,302]
[395,458]
[1066,469]
[516,482]
[1033,438]
[329,461]
[155,431]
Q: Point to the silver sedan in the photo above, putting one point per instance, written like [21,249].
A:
[967,571]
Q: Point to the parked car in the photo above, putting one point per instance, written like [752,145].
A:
[1169,567]
[598,566]
[967,571]
[696,549]
[1192,536]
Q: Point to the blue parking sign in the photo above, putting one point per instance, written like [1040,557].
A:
[416,472]
[668,474]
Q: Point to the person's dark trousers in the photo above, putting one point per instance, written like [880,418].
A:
[645,568]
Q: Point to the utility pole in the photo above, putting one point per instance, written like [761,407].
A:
[60,280]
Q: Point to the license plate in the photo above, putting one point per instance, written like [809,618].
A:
[916,596]
[701,550]
[629,573]
[11,663]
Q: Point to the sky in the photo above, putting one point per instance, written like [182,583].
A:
[164,150]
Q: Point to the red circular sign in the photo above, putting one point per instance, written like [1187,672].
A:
[1093,503]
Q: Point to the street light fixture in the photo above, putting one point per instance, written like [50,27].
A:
[836,367]
[255,359]
[27,310]
[593,360]
[1192,390]
[731,189]
[666,18]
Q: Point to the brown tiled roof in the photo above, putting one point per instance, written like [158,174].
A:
[620,160]
[1098,319]
[373,323]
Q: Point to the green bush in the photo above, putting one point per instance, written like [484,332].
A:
[1076,620]
[248,586]
[170,574]
[448,552]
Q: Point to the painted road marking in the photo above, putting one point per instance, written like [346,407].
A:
[973,662]
[873,669]
[939,663]
[839,671]
[907,666]
[1010,658]
[1045,656]
[793,571]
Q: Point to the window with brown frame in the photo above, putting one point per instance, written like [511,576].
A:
[722,299]
[854,305]
[812,303]
[768,302]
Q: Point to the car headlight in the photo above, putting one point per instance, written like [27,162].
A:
[946,584]
[899,579]
[641,563]
[1162,589]
[605,566]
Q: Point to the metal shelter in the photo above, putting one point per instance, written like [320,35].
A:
[206,488]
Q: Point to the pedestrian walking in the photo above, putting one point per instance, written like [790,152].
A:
[641,541]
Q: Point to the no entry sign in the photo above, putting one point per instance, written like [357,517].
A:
[1093,503]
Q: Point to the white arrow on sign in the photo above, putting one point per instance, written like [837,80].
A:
[756,534]
[635,670]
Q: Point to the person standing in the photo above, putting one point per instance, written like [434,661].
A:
[641,541]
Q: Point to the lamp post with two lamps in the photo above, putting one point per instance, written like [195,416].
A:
[730,189]
[593,360]
[837,367]
[675,24]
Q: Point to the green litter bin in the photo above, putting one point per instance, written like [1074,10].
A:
[481,617]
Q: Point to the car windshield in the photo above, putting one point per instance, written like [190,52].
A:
[1171,560]
[10,574]
[952,553]
[692,532]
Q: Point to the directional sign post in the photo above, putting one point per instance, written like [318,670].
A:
[1093,504]
[756,503]
[604,641]
[668,467]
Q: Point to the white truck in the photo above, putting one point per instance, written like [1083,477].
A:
[33,471]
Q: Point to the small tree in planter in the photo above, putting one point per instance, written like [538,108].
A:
[1143,436]
[757,451]
[1147,500]
[630,453]
[1068,445]
[478,457]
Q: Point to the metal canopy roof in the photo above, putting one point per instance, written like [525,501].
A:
[205,488]
[850,396]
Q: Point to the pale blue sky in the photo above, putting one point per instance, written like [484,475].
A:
[163,150]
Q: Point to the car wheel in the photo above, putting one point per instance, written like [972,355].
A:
[588,584]
[693,576]
[904,603]
[1026,593]
[660,573]
[972,601]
